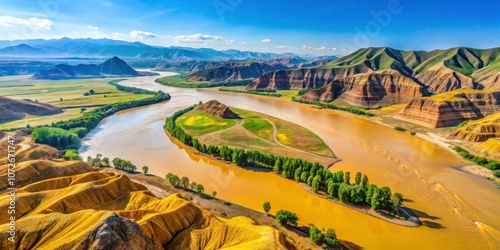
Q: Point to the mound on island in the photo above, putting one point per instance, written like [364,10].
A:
[67,205]
[16,109]
[217,109]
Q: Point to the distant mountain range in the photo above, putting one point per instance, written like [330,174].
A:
[105,48]
[110,68]
[369,75]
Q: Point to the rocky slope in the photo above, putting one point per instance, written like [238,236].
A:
[479,130]
[437,71]
[217,109]
[114,67]
[241,70]
[451,108]
[367,89]
[69,206]
[16,109]
[489,149]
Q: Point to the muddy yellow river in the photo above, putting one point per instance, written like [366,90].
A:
[458,210]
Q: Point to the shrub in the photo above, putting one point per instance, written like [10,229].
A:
[399,128]
[71,155]
[284,217]
[315,234]
[56,137]
[413,133]
[496,173]
[493,165]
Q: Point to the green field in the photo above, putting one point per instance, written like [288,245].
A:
[180,81]
[287,93]
[256,131]
[177,81]
[71,92]
[199,123]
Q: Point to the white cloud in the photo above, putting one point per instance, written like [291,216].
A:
[37,23]
[321,48]
[334,49]
[196,38]
[267,40]
[243,42]
[230,41]
[93,27]
[143,34]
[281,46]
[306,47]
[118,35]
[74,32]
[40,23]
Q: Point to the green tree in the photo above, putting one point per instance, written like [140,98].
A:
[278,166]
[192,185]
[365,182]
[381,199]
[71,155]
[105,161]
[303,176]
[214,193]
[310,180]
[267,207]
[145,170]
[315,234]
[199,188]
[397,201]
[91,91]
[357,180]
[83,109]
[185,181]
[174,180]
[284,217]
[331,238]
[369,193]
[316,183]
[347,177]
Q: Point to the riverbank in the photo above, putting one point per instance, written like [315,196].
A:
[160,188]
[383,216]
[303,185]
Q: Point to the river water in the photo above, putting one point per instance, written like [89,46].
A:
[458,210]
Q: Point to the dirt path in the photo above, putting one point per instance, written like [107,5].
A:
[200,138]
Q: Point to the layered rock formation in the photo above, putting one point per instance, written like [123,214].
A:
[16,109]
[440,79]
[85,209]
[479,130]
[241,70]
[367,89]
[217,109]
[452,108]
[437,71]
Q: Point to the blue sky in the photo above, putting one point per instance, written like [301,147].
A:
[304,27]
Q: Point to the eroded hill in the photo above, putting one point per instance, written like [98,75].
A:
[67,205]
[451,108]
[16,109]
[436,72]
